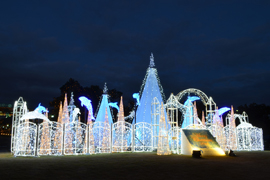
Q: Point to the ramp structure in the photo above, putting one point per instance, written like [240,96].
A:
[200,139]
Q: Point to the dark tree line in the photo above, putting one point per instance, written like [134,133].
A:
[94,93]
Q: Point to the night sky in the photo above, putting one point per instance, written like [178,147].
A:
[221,48]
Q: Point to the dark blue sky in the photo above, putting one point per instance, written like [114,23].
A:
[219,47]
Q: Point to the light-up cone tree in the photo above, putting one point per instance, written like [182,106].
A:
[203,118]
[163,141]
[58,134]
[106,139]
[232,132]
[120,143]
[151,88]
[68,133]
[195,114]
[90,135]
[103,105]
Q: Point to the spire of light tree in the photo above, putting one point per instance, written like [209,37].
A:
[152,63]
[163,141]
[59,120]
[105,89]
[195,113]
[65,116]
[121,111]
[203,118]
[150,89]
[232,131]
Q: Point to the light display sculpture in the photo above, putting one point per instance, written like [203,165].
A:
[44,138]
[163,141]
[143,137]
[106,139]
[189,115]
[19,109]
[104,104]
[232,132]
[150,89]
[203,118]
[122,132]
[91,137]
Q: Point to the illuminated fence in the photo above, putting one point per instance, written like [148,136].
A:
[174,135]
[143,137]
[26,139]
[121,137]
[74,138]
[101,134]
[50,138]
[249,137]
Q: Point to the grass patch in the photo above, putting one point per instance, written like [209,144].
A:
[247,165]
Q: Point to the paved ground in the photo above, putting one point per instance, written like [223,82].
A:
[247,165]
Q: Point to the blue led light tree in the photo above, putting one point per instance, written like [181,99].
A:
[150,89]
[102,107]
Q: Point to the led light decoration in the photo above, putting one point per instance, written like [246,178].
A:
[143,140]
[74,138]
[248,137]
[114,105]
[155,117]
[91,137]
[19,109]
[56,138]
[203,118]
[104,104]
[232,132]
[44,139]
[150,89]
[163,142]
[106,139]
[87,103]
[174,135]
[121,132]
[65,115]
[137,97]
[41,109]
[189,115]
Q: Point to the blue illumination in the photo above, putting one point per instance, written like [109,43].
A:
[137,97]
[41,109]
[102,110]
[87,103]
[189,116]
[223,110]
[114,105]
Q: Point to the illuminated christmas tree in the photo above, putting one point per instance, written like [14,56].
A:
[104,104]
[65,115]
[58,133]
[68,129]
[106,140]
[195,113]
[203,118]
[150,89]
[163,142]
[59,120]
[232,132]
